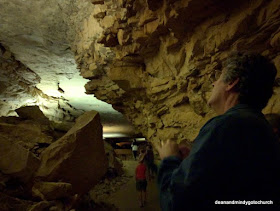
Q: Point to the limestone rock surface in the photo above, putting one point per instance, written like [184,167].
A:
[32,113]
[78,157]
[32,130]
[17,161]
[114,164]
[163,55]
[19,89]
[152,60]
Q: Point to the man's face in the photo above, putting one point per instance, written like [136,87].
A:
[217,98]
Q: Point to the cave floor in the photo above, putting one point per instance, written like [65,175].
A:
[126,199]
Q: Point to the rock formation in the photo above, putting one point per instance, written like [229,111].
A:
[161,57]
[153,60]
[19,88]
[17,161]
[114,163]
[38,66]
[38,173]
[32,130]
[78,157]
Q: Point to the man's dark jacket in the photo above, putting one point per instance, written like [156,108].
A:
[236,156]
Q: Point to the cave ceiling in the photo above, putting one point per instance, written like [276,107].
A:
[148,61]
[38,66]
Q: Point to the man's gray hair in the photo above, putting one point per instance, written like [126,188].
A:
[256,78]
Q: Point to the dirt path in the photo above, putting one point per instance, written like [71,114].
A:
[126,198]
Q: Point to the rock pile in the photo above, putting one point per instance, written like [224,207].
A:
[58,173]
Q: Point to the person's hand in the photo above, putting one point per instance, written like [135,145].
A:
[167,148]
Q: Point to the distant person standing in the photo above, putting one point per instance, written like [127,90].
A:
[141,181]
[134,148]
[149,161]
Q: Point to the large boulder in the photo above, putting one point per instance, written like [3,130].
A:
[36,115]
[32,113]
[17,161]
[78,157]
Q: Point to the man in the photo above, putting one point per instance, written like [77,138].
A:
[235,155]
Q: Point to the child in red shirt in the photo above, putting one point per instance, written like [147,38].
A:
[141,182]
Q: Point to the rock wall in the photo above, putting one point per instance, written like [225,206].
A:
[18,88]
[17,82]
[154,60]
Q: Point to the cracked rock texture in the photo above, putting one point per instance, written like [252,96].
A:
[153,60]
[38,66]
[161,56]
[36,55]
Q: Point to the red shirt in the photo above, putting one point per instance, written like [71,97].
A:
[140,171]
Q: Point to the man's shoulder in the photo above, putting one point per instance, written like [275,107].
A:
[217,121]
[233,118]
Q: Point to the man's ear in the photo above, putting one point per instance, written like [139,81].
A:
[232,85]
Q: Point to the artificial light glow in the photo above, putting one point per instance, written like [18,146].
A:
[116,131]
[114,135]
[140,139]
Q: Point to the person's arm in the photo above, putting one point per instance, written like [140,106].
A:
[182,183]
[170,155]
[165,171]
